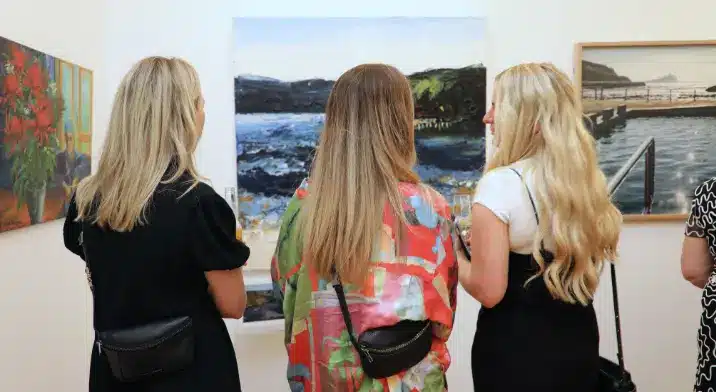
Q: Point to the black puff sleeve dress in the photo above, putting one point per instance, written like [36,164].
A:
[156,271]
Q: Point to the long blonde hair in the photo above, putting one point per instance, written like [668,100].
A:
[365,150]
[153,125]
[538,115]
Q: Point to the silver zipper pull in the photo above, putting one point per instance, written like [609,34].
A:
[99,347]
[367,354]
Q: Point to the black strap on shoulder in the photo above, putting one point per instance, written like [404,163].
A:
[529,194]
[615,295]
[532,201]
[340,293]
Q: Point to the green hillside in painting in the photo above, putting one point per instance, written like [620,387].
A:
[445,95]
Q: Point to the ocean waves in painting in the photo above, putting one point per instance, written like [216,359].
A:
[274,153]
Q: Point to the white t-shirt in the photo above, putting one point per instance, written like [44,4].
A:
[503,192]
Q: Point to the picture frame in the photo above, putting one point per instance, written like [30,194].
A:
[279,105]
[55,134]
[656,83]
[263,305]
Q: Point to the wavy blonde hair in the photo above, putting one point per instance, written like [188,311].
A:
[153,125]
[538,115]
[365,150]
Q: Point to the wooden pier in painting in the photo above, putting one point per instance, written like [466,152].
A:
[606,119]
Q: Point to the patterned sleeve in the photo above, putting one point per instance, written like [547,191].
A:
[702,210]
[448,268]
[286,260]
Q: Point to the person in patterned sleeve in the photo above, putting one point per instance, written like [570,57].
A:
[365,218]
[697,266]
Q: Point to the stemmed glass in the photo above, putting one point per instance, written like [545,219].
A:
[231,198]
[462,205]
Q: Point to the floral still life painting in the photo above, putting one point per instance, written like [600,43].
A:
[45,134]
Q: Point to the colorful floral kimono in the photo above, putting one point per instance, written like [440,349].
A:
[416,281]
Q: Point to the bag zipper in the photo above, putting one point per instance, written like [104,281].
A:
[399,347]
[146,346]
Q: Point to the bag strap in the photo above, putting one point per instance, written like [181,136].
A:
[81,241]
[532,200]
[340,293]
[617,322]
[615,293]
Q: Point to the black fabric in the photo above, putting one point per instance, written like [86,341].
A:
[155,272]
[613,377]
[533,342]
[387,351]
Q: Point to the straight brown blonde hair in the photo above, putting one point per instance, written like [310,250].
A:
[365,150]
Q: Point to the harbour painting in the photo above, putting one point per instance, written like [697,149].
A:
[285,68]
[652,105]
[262,303]
[45,134]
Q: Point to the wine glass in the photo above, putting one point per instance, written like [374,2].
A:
[232,199]
[461,205]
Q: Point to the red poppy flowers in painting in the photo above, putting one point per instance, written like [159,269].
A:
[31,107]
[30,101]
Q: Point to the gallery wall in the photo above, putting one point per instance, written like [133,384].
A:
[44,300]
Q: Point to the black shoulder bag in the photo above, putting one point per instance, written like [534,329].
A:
[612,377]
[138,352]
[387,351]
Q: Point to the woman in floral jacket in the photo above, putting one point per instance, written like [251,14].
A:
[365,215]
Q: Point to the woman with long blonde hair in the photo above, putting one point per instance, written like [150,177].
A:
[365,253]
[543,225]
[159,245]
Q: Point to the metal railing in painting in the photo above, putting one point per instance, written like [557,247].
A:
[648,150]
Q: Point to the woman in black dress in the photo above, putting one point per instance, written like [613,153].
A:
[542,227]
[697,266]
[157,242]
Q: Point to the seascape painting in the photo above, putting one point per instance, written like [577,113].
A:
[284,70]
[262,303]
[664,91]
[45,134]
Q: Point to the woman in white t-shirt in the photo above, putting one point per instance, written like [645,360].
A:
[542,227]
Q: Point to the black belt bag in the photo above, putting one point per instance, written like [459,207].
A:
[136,353]
[387,351]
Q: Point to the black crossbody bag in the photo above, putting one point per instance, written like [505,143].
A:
[612,377]
[387,351]
[142,351]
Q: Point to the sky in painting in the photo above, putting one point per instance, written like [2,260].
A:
[301,48]
[690,64]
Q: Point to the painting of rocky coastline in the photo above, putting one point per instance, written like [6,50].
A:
[285,69]
[665,92]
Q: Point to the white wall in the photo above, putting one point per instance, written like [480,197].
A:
[44,300]
[42,288]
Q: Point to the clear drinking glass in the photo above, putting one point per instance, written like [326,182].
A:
[230,196]
[461,205]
